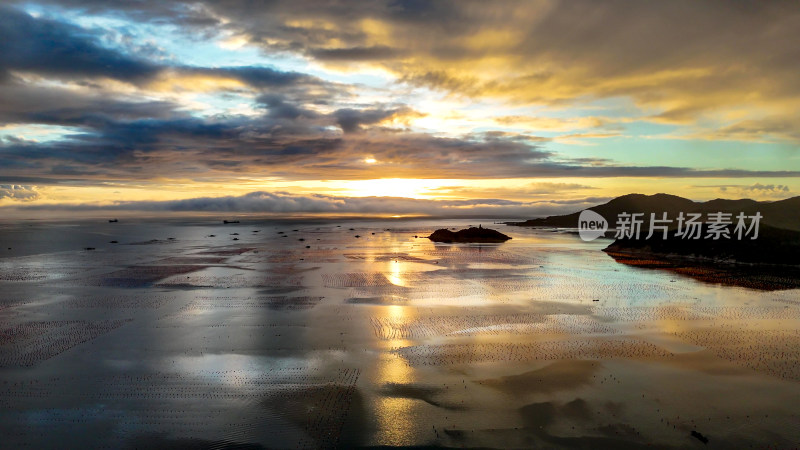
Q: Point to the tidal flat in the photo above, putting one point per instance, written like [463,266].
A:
[320,334]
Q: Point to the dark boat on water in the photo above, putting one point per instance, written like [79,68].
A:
[230,221]
[113,220]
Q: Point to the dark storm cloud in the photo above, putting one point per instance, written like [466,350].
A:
[21,103]
[190,14]
[55,48]
[584,46]
[118,147]
[280,107]
[257,77]
[350,120]
[377,53]
[190,147]
[681,59]
[111,131]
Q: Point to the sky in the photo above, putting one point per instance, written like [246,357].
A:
[507,109]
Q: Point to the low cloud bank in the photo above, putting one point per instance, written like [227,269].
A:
[285,203]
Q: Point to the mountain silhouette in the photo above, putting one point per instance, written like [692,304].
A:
[783,214]
[778,239]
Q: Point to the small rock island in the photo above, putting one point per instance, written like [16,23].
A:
[472,234]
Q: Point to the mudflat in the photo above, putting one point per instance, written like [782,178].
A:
[300,334]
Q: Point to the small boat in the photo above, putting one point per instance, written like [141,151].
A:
[113,220]
[230,221]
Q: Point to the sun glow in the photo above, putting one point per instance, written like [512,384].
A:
[392,187]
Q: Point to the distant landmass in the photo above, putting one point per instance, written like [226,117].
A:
[773,246]
[472,234]
[778,239]
[783,214]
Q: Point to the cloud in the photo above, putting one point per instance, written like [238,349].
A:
[50,47]
[681,59]
[768,187]
[61,50]
[279,107]
[551,123]
[528,191]
[351,120]
[258,77]
[754,187]
[767,129]
[678,55]
[187,147]
[282,203]
[677,60]
[135,115]
[18,192]
[21,103]
[757,190]
[375,53]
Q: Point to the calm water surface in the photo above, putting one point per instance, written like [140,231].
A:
[303,335]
